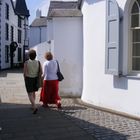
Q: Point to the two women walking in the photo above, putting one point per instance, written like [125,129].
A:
[49,92]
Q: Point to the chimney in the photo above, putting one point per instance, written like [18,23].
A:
[38,13]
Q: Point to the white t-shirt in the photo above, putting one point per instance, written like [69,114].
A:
[50,70]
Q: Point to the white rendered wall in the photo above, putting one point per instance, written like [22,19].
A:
[41,49]
[108,91]
[49,30]
[37,35]
[68,50]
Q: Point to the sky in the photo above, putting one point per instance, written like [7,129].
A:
[43,5]
[33,5]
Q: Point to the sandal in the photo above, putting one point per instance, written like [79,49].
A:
[45,106]
[35,111]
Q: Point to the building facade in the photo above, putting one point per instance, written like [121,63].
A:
[13,32]
[98,46]
[65,37]
[111,58]
[38,30]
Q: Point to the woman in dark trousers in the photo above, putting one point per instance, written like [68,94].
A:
[49,93]
[32,68]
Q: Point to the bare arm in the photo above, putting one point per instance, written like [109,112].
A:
[40,68]
[25,71]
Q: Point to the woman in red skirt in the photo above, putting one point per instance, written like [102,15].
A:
[49,93]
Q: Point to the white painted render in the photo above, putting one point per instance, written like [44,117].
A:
[41,49]
[37,35]
[50,30]
[112,92]
[67,47]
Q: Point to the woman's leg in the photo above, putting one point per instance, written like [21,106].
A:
[57,97]
[34,96]
[32,100]
[43,95]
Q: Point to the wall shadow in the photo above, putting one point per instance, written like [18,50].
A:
[120,82]
[92,2]
[3,73]
[17,121]
[97,131]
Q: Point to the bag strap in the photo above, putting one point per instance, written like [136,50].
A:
[39,67]
[58,66]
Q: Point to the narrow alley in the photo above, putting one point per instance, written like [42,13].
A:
[76,120]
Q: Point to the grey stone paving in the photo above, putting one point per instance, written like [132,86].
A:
[102,125]
[75,121]
[47,124]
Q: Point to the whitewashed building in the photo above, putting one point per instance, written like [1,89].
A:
[13,28]
[111,54]
[65,36]
[97,45]
[38,30]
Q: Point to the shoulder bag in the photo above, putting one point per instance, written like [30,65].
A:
[59,74]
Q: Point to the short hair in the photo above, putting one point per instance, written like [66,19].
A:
[48,56]
[32,54]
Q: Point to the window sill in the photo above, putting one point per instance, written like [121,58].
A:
[131,76]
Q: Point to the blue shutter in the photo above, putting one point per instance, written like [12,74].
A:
[112,38]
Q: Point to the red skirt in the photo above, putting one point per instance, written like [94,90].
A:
[49,92]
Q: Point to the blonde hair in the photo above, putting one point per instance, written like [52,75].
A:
[48,56]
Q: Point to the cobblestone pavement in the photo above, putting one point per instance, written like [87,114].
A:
[102,125]
[98,124]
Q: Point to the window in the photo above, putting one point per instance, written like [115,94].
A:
[7,11]
[6,31]
[6,54]
[19,22]
[135,33]
[19,54]
[19,36]
[12,33]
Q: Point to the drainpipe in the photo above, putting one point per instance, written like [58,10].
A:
[0,32]
[40,35]
[26,40]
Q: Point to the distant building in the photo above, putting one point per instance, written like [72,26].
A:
[38,30]
[13,32]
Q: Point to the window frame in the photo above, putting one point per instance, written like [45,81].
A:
[12,33]
[131,42]
[19,36]
[19,22]
[6,11]
[127,42]
[6,31]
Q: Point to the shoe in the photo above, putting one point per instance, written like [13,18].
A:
[35,111]
[45,106]
[59,106]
